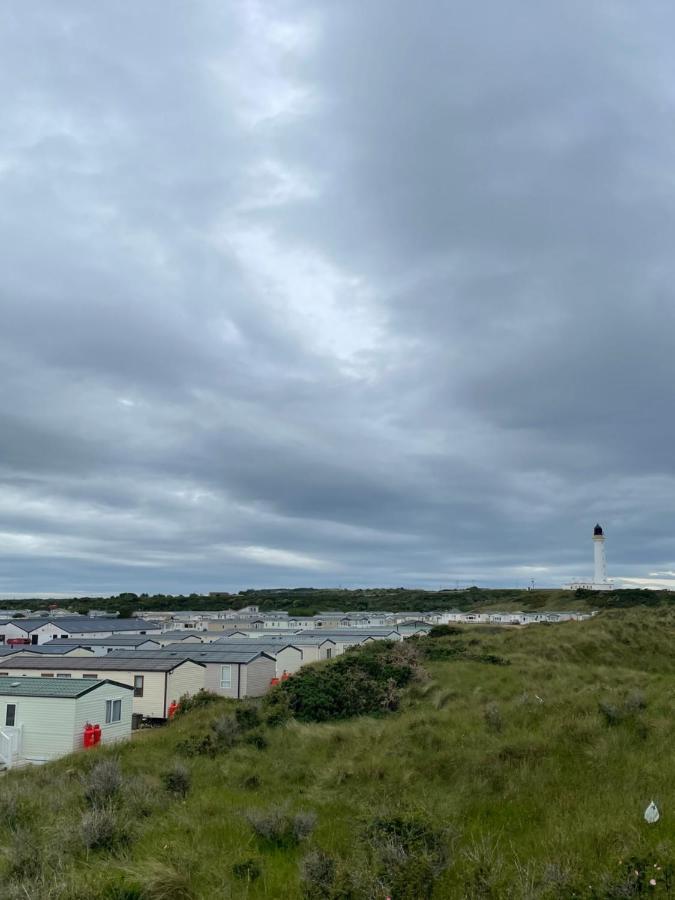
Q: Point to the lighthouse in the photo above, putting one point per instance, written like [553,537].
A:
[600,581]
[600,567]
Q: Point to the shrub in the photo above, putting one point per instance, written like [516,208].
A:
[251,782]
[104,782]
[493,718]
[303,824]
[364,681]
[23,855]
[635,702]
[610,713]
[411,854]
[248,869]
[142,795]
[257,740]
[196,701]
[178,780]
[317,875]
[247,716]
[102,829]
[278,828]
[197,745]
[16,809]
[163,880]
[226,730]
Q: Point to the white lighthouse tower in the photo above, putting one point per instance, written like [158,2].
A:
[600,581]
[600,564]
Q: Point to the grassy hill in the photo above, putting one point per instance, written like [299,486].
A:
[518,764]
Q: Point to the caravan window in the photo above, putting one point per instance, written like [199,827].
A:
[113,711]
[10,714]
[226,676]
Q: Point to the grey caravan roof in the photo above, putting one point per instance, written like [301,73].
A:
[180,635]
[80,624]
[51,648]
[196,654]
[54,688]
[293,640]
[214,646]
[137,662]
[124,640]
[114,625]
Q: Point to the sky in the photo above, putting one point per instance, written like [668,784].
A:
[331,294]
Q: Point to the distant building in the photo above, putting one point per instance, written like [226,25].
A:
[600,581]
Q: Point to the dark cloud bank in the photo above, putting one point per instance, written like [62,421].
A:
[335,293]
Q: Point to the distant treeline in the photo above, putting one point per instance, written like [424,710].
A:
[309,601]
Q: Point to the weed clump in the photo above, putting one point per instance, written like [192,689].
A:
[178,780]
[278,828]
[104,782]
[493,718]
[201,699]
[317,874]
[227,731]
[361,682]
[251,782]
[247,870]
[247,716]
[102,828]
[410,855]
[256,739]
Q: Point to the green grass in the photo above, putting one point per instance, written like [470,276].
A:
[531,799]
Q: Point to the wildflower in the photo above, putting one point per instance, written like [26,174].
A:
[652,881]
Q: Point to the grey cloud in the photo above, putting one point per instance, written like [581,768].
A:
[336,295]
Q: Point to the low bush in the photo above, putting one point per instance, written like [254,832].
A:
[142,795]
[103,828]
[198,745]
[178,780]
[227,731]
[16,809]
[248,870]
[196,701]
[365,681]
[256,739]
[251,782]
[411,854]
[247,716]
[279,828]
[317,875]
[104,782]
[493,718]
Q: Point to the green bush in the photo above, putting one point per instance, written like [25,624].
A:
[248,869]
[104,782]
[279,828]
[362,682]
[247,716]
[103,828]
[178,780]
[196,701]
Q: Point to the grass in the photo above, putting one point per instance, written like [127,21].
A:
[526,780]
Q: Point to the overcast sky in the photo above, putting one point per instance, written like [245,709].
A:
[338,293]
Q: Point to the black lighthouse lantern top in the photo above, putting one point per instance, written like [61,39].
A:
[597,530]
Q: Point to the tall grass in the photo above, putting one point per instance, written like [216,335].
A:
[526,780]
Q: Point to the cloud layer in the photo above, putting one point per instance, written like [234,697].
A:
[334,294]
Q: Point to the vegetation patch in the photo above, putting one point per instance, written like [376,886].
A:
[363,682]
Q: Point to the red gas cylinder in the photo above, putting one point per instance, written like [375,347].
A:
[285,676]
[173,709]
[274,682]
[88,735]
[97,734]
